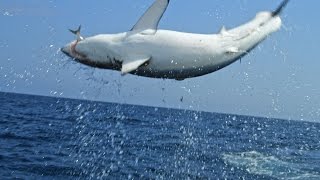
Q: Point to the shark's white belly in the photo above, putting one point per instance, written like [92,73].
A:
[179,55]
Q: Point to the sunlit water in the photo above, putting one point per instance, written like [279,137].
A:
[51,138]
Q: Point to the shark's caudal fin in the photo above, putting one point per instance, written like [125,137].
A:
[77,33]
[279,10]
[152,17]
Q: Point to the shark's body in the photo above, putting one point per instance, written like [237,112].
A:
[147,51]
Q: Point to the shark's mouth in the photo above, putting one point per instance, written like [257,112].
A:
[83,59]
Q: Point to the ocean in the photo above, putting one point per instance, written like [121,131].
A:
[54,138]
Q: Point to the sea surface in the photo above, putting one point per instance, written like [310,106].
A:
[51,138]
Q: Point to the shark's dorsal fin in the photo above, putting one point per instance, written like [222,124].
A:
[151,18]
[133,62]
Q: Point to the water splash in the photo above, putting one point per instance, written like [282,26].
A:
[257,163]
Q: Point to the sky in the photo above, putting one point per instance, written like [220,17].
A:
[278,79]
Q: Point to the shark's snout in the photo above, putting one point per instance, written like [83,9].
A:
[71,51]
[66,50]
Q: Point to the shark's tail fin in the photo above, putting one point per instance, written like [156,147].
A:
[77,33]
[279,10]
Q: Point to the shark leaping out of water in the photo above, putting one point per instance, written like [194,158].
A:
[148,51]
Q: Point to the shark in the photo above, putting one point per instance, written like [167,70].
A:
[150,52]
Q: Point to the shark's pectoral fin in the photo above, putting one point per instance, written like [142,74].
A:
[132,63]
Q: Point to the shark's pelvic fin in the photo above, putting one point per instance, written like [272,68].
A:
[151,18]
[133,62]
[232,50]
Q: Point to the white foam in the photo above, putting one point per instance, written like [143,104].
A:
[259,164]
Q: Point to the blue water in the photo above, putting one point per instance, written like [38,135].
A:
[50,138]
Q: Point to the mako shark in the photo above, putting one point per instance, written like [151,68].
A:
[148,51]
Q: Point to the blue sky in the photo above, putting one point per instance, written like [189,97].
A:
[278,79]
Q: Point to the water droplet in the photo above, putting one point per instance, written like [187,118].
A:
[7,13]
